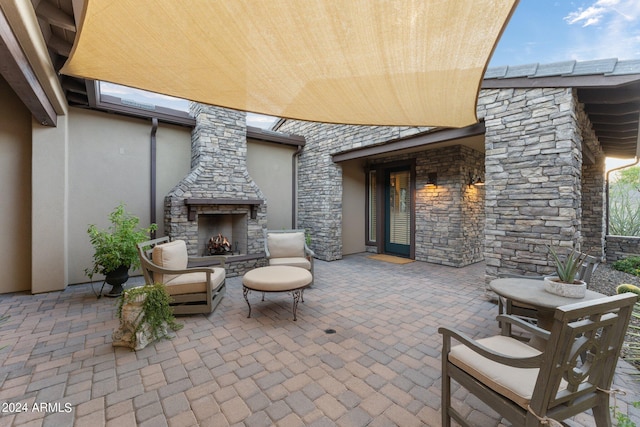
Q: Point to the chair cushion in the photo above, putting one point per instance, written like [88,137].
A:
[278,278]
[516,384]
[191,283]
[286,245]
[294,262]
[172,256]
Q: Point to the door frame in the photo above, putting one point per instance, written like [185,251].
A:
[381,171]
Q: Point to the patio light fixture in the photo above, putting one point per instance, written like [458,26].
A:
[432,180]
[475,180]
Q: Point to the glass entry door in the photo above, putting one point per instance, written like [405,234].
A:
[398,212]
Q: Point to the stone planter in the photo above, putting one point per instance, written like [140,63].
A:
[576,289]
[126,335]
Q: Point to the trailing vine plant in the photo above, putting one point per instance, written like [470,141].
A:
[156,313]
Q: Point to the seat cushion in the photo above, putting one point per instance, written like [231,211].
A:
[172,256]
[194,282]
[293,262]
[277,278]
[286,245]
[516,384]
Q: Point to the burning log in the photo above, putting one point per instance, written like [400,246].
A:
[219,245]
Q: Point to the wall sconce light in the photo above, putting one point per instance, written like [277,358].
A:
[432,179]
[475,180]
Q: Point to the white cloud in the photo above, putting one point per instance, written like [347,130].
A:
[610,28]
[589,16]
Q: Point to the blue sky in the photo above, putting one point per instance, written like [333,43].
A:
[548,31]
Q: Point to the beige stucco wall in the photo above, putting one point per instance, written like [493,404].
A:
[109,163]
[49,189]
[270,166]
[353,207]
[15,188]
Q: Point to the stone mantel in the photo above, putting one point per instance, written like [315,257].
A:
[193,202]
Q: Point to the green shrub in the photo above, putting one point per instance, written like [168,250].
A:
[629,265]
[624,203]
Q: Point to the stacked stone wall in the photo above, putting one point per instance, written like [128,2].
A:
[449,218]
[533,171]
[320,179]
[593,189]
[620,247]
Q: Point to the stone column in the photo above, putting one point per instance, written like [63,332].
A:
[593,189]
[219,171]
[533,174]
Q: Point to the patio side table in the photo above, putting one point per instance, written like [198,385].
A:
[531,292]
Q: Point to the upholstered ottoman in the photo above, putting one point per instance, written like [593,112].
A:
[277,278]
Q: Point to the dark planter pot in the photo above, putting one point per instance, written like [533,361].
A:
[116,279]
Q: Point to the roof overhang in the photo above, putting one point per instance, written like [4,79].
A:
[25,63]
[609,90]
[436,137]
[275,137]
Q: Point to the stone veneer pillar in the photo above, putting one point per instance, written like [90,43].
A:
[533,171]
[593,190]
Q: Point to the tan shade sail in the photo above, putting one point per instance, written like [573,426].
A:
[370,62]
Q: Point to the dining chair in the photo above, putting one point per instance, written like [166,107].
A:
[531,387]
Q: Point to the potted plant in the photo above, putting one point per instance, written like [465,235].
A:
[115,251]
[145,316]
[565,283]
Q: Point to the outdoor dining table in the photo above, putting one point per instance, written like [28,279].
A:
[531,292]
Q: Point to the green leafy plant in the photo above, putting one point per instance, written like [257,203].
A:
[629,265]
[623,420]
[624,203]
[116,246]
[156,313]
[567,267]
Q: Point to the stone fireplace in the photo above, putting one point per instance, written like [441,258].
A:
[218,196]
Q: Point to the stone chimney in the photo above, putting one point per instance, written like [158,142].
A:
[218,195]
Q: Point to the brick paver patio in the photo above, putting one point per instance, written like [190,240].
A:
[381,367]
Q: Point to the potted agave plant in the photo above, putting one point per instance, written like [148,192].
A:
[564,283]
[115,251]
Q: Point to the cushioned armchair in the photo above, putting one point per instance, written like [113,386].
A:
[193,290]
[529,387]
[288,247]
